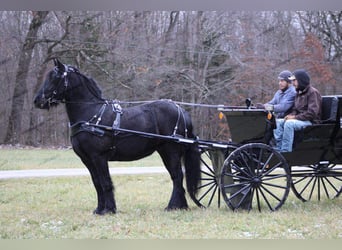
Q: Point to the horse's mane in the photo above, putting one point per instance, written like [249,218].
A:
[94,87]
[90,83]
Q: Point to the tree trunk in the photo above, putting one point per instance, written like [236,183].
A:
[14,130]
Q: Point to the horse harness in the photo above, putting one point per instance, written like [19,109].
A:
[95,127]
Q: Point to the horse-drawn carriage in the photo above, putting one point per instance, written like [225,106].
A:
[250,173]
[247,172]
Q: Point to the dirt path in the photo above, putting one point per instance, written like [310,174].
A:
[9,174]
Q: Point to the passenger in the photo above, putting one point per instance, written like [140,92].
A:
[306,111]
[283,99]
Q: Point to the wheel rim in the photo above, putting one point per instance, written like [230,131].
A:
[317,181]
[255,175]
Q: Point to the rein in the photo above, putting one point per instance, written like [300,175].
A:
[201,105]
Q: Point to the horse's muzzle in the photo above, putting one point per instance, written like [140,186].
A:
[41,103]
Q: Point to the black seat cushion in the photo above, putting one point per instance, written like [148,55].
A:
[329,109]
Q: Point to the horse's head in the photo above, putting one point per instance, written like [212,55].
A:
[55,86]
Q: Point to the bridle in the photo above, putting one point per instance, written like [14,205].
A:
[63,83]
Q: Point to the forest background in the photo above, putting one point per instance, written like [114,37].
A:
[208,57]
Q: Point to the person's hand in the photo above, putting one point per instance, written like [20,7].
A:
[290,117]
[260,106]
[268,107]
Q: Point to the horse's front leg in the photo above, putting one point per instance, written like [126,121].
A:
[99,172]
[106,200]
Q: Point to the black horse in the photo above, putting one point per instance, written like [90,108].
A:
[102,131]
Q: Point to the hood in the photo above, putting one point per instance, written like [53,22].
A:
[303,79]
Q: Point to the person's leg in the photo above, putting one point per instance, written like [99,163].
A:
[278,133]
[289,127]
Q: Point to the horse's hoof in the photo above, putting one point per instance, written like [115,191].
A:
[104,211]
[168,209]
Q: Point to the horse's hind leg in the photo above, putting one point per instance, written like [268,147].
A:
[172,161]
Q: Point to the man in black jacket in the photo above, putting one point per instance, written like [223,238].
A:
[306,111]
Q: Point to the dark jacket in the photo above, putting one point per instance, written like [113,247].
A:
[307,106]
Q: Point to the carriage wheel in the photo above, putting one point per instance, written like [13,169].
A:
[255,175]
[317,181]
[211,161]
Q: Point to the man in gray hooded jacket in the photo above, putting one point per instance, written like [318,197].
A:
[306,111]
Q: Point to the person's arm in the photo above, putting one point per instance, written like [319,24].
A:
[286,103]
[274,99]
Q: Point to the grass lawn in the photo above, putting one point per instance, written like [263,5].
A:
[19,159]
[57,208]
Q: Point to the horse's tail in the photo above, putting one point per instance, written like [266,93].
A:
[192,163]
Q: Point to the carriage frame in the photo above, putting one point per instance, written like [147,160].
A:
[250,173]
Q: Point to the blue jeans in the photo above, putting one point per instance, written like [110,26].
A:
[284,133]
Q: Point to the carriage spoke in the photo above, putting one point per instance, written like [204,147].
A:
[324,180]
[275,185]
[208,168]
[272,177]
[212,182]
[300,180]
[278,165]
[268,191]
[259,162]
[258,199]
[335,177]
[313,187]
[242,157]
[207,174]
[331,184]
[212,194]
[266,163]
[212,186]
[266,200]
[306,186]
[237,176]
[245,191]
[239,169]
[235,185]
[244,198]
[239,191]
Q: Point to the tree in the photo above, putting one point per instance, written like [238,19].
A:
[207,57]
[14,130]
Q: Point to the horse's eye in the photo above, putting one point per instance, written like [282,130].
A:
[57,73]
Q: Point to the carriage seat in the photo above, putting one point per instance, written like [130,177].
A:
[329,109]
[324,130]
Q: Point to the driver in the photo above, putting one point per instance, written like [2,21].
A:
[283,99]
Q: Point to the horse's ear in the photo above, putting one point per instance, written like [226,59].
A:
[58,64]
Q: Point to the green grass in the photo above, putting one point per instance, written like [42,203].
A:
[56,208]
[19,159]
